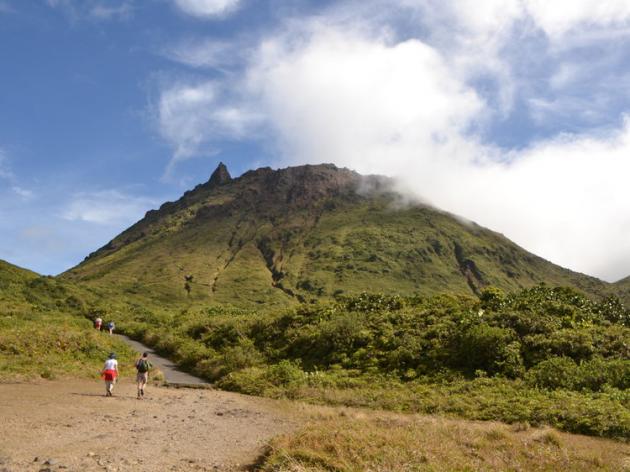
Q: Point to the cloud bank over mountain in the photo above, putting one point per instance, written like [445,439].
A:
[508,112]
[426,92]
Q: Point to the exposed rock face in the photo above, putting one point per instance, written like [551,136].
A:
[220,176]
[300,187]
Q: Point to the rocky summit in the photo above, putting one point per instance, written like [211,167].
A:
[220,176]
[300,234]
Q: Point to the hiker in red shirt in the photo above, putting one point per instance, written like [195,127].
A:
[110,373]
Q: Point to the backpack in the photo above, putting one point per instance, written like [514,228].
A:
[143,366]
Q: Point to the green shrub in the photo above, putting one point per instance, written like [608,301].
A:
[492,298]
[250,381]
[285,374]
[557,372]
[492,349]
[593,375]
[242,356]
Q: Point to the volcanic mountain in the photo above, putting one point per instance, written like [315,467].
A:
[278,237]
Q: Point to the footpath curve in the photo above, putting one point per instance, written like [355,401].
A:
[172,375]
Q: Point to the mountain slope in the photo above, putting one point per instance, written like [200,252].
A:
[621,288]
[13,281]
[43,329]
[304,233]
[10,273]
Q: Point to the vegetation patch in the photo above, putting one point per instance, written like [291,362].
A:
[539,356]
[44,332]
[354,441]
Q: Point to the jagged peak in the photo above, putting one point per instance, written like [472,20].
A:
[220,176]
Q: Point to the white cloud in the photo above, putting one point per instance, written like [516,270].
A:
[108,12]
[558,18]
[183,116]
[205,54]
[341,96]
[485,18]
[22,192]
[5,171]
[99,10]
[505,40]
[107,207]
[207,8]
[581,91]
[10,180]
[568,108]
[192,117]
[565,75]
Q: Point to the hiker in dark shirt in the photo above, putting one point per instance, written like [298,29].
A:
[142,367]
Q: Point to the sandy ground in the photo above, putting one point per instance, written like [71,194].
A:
[71,426]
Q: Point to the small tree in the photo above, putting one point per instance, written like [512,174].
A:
[187,281]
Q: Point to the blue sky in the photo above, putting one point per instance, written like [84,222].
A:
[511,113]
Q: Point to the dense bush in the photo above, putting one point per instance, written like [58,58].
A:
[496,335]
[594,375]
[545,339]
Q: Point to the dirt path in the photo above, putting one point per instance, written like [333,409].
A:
[73,426]
[172,374]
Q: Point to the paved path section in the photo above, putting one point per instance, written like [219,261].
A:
[172,374]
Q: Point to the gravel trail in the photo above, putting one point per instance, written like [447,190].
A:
[172,374]
[72,426]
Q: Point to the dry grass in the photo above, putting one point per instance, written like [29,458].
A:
[355,440]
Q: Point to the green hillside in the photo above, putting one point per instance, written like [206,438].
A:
[44,331]
[12,277]
[621,288]
[277,238]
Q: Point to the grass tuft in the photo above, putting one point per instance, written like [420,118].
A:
[391,442]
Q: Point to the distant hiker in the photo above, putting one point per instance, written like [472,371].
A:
[98,323]
[142,366]
[110,327]
[110,374]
